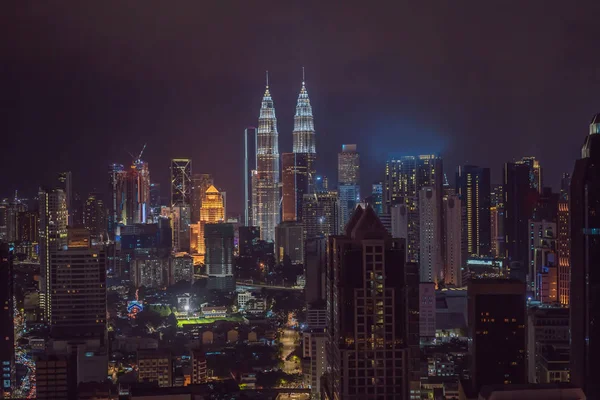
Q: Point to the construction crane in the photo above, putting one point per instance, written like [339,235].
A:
[139,157]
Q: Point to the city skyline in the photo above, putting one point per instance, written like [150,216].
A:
[167,101]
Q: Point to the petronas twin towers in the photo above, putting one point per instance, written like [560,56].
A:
[266,194]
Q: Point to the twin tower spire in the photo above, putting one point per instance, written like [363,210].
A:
[266,197]
[304,127]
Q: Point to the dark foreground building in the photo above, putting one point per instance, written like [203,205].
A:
[585,271]
[367,293]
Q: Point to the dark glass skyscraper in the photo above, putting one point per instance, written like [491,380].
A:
[367,296]
[519,200]
[585,257]
[295,178]
[181,182]
[249,170]
[473,189]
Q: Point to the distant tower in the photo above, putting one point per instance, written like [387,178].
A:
[295,179]
[93,214]
[200,184]
[219,256]
[249,170]
[116,203]
[212,211]
[65,181]
[452,240]
[52,236]
[473,189]
[181,182]
[304,135]
[267,195]
[348,181]
[430,235]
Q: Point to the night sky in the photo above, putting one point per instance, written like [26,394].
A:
[83,83]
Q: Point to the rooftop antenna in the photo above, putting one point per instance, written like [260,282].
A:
[303,75]
[267,78]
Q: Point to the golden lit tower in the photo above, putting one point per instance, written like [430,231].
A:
[212,211]
[266,196]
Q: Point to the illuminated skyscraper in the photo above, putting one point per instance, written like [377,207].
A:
[404,179]
[249,170]
[266,195]
[93,214]
[181,198]
[137,193]
[348,181]
[563,243]
[584,201]
[430,209]
[473,189]
[304,136]
[295,177]
[535,173]
[52,236]
[65,181]
[116,203]
[200,184]
[212,211]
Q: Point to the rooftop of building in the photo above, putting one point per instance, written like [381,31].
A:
[546,391]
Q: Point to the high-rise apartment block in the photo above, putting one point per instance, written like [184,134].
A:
[53,236]
[404,179]
[367,293]
[431,245]
[453,250]
[321,214]
[473,189]
[348,181]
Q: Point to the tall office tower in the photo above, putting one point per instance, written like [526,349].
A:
[212,211]
[181,198]
[404,179]
[93,214]
[181,182]
[367,291]
[545,264]
[155,366]
[497,245]
[155,199]
[200,184]
[321,183]
[377,197]
[7,333]
[321,214]
[116,203]
[136,207]
[316,263]
[266,183]
[52,236]
[143,189]
[563,242]
[584,201]
[295,177]
[452,240]
[78,286]
[519,199]
[289,241]
[219,256]
[496,312]
[348,181]
[473,189]
[431,256]
[28,226]
[65,181]
[304,139]
[249,169]
[535,173]
[538,233]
